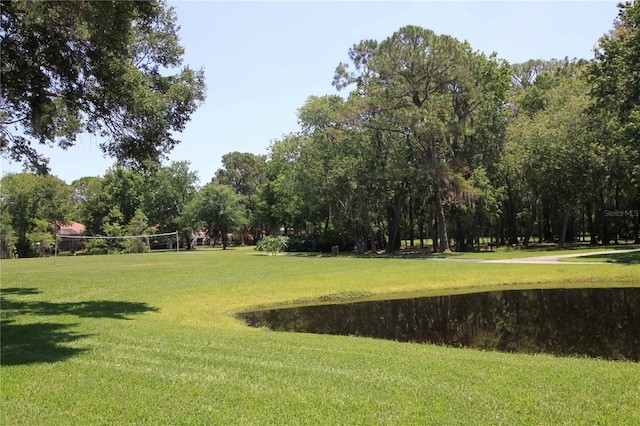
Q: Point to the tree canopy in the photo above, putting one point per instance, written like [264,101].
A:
[216,209]
[101,67]
[435,144]
[432,91]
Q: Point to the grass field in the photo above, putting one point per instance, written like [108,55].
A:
[151,339]
[632,258]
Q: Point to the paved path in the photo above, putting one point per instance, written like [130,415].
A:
[543,260]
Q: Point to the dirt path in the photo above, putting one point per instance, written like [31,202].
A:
[543,260]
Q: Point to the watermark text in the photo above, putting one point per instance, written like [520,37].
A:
[621,213]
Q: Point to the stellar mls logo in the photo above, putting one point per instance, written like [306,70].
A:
[622,213]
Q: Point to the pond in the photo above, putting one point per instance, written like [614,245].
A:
[597,322]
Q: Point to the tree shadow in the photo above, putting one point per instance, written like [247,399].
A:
[20,290]
[93,309]
[37,342]
[631,258]
[28,336]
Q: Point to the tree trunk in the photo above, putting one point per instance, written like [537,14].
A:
[616,224]
[435,234]
[372,237]
[442,224]
[393,224]
[512,224]
[5,249]
[411,224]
[565,225]
[602,221]
[528,231]
[547,228]
[591,210]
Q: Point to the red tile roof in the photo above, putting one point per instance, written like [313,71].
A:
[74,228]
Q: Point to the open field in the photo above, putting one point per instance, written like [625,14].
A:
[150,339]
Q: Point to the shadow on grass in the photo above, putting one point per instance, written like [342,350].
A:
[93,309]
[28,336]
[632,258]
[37,342]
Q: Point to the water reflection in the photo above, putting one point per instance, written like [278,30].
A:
[600,322]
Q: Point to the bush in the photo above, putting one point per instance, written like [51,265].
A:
[302,243]
[97,246]
[320,242]
[332,238]
[272,244]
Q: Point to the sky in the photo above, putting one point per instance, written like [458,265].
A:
[262,60]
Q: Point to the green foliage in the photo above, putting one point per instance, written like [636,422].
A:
[32,204]
[243,171]
[281,204]
[302,243]
[139,225]
[246,174]
[99,67]
[42,237]
[273,244]
[7,237]
[166,192]
[615,92]
[435,140]
[429,90]
[98,246]
[215,208]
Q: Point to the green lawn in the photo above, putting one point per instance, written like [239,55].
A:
[151,339]
[624,258]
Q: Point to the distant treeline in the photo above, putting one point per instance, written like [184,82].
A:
[434,142]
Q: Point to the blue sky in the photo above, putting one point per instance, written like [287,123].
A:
[262,60]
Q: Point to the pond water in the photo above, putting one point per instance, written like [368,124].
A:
[602,322]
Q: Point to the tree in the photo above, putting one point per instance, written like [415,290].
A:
[431,90]
[281,204]
[96,198]
[246,174]
[552,151]
[139,225]
[91,203]
[331,169]
[217,209]
[35,205]
[7,236]
[102,67]
[165,194]
[124,189]
[243,171]
[616,95]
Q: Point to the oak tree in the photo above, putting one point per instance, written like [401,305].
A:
[101,67]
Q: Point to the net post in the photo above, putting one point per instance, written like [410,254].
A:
[177,244]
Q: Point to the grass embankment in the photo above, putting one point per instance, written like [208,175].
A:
[150,339]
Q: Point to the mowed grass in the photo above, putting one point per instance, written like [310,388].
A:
[151,339]
[624,258]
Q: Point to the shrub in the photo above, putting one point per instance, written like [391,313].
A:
[272,244]
[97,246]
[302,243]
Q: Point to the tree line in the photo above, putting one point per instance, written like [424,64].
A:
[430,141]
